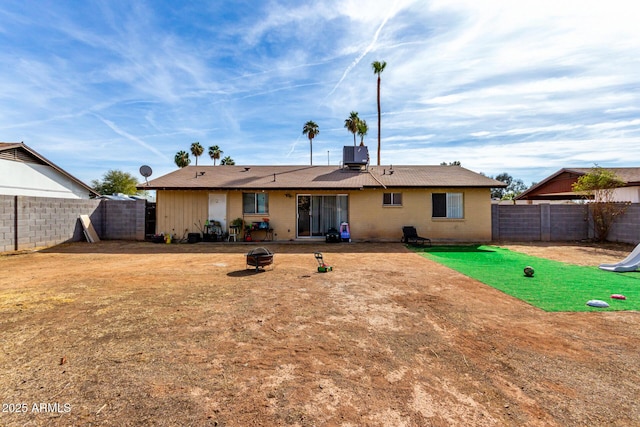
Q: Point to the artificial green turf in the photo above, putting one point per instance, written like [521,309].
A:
[555,286]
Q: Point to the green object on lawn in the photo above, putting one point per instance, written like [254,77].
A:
[557,286]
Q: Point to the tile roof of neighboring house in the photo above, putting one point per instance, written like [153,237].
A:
[318,177]
[20,152]
[631,177]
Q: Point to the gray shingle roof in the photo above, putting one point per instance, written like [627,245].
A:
[318,177]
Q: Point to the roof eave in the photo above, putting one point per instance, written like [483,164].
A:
[52,165]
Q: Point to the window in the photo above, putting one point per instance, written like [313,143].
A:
[392,199]
[447,205]
[255,203]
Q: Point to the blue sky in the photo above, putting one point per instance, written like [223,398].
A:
[524,87]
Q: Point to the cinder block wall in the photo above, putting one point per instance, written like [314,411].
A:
[516,222]
[123,219]
[569,222]
[42,222]
[626,228]
[547,223]
[7,219]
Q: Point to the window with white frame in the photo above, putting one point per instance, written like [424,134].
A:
[447,205]
[255,203]
[392,199]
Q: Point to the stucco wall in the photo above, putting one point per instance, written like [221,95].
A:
[282,214]
[370,220]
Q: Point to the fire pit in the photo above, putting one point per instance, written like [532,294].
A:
[259,258]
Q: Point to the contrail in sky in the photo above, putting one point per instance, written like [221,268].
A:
[364,52]
[130,137]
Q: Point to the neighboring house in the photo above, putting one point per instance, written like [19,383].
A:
[447,203]
[559,185]
[24,172]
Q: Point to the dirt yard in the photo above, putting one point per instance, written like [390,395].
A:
[121,333]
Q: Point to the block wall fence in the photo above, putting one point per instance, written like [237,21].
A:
[34,222]
[549,223]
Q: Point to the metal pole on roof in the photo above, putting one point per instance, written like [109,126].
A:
[328,158]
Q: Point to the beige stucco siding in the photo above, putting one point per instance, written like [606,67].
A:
[476,224]
[370,220]
[282,213]
[178,211]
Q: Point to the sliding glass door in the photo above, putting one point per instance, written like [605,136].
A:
[304,216]
[318,213]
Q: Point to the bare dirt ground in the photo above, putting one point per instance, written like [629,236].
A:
[121,333]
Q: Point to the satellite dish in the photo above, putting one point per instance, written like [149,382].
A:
[146,172]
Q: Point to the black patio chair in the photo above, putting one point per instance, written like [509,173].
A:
[410,236]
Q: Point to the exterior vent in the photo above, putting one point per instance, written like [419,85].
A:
[20,155]
[355,157]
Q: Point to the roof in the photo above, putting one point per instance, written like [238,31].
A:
[317,177]
[558,186]
[20,152]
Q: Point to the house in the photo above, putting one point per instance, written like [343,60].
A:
[559,186]
[24,172]
[447,203]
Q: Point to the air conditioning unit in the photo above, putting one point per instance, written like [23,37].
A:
[355,157]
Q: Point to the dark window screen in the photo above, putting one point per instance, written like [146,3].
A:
[439,201]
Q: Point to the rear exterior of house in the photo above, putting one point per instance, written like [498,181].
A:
[444,203]
[309,214]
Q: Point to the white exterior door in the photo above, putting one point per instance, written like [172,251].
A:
[218,209]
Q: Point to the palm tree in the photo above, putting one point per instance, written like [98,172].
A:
[311,130]
[363,128]
[352,124]
[227,161]
[378,68]
[182,159]
[196,150]
[214,153]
